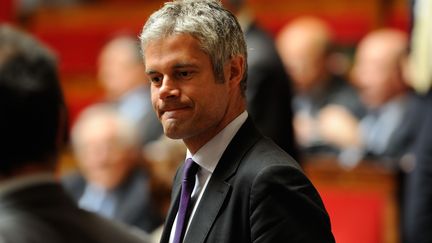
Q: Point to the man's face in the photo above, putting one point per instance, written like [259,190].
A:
[375,74]
[103,160]
[119,71]
[190,103]
[306,66]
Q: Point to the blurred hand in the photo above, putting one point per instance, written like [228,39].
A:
[305,129]
[337,126]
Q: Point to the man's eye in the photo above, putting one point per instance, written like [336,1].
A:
[155,79]
[184,74]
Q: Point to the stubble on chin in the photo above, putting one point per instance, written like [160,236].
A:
[171,129]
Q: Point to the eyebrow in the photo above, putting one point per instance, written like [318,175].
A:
[176,66]
[185,65]
[149,72]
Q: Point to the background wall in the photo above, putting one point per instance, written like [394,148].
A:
[76,30]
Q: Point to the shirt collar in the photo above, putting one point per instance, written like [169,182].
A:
[209,155]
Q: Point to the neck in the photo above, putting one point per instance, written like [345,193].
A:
[196,142]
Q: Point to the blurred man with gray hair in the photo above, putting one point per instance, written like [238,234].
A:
[111,179]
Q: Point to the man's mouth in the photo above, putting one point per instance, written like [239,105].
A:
[171,111]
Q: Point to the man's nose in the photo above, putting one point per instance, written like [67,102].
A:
[168,89]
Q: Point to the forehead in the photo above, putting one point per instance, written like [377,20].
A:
[376,57]
[172,50]
[100,126]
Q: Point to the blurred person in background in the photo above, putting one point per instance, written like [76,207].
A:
[34,208]
[305,45]
[121,74]
[269,91]
[379,73]
[111,180]
[163,157]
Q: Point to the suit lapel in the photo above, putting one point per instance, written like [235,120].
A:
[207,211]
[172,211]
[218,188]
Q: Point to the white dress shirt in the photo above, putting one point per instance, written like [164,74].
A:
[207,157]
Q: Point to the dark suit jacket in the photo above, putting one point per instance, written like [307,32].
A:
[417,205]
[269,92]
[403,139]
[134,205]
[257,193]
[43,213]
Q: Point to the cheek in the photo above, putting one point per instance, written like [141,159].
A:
[154,97]
[216,102]
[153,92]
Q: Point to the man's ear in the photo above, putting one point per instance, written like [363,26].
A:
[235,70]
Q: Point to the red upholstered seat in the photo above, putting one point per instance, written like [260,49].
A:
[357,217]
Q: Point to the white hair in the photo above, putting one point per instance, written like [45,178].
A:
[126,129]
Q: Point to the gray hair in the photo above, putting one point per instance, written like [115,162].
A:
[217,30]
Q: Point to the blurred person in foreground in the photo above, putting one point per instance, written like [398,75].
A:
[379,73]
[33,206]
[121,74]
[326,107]
[111,179]
[269,92]
[244,188]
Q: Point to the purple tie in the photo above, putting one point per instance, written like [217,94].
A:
[189,171]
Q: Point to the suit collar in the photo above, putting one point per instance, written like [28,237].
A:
[218,187]
[245,138]
[172,211]
[20,182]
[38,196]
[210,154]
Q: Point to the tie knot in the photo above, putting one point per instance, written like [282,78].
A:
[190,169]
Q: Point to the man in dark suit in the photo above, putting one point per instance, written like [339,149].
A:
[326,107]
[33,206]
[379,75]
[247,189]
[269,92]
